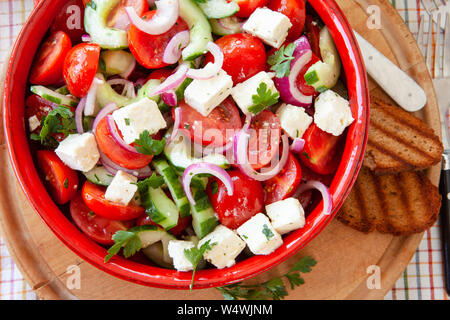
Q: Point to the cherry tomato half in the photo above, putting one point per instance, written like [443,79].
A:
[322,150]
[80,67]
[223,118]
[94,197]
[246,201]
[295,11]
[96,227]
[183,223]
[70,19]
[285,183]
[244,56]
[47,67]
[247,7]
[300,81]
[149,49]
[118,17]
[160,74]
[61,180]
[122,157]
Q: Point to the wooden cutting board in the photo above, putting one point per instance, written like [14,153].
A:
[343,254]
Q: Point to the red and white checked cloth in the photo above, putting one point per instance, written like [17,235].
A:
[422,279]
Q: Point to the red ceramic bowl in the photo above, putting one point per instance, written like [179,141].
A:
[24,167]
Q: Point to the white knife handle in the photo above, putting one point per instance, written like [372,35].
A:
[394,81]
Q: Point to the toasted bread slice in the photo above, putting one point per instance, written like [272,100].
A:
[399,141]
[399,204]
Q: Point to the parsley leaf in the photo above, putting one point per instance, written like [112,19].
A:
[147,145]
[58,120]
[153,181]
[280,61]
[273,289]
[200,1]
[263,99]
[267,232]
[194,255]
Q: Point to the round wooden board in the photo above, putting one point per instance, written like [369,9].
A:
[343,254]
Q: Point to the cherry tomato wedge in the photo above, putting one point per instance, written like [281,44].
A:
[247,7]
[183,223]
[246,201]
[94,197]
[70,20]
[118,17]
[112,150]
[264,139]
[96,227]
[149,49]
[80,67]
[47,67]
[61,180]
[301,83]
[285,183]
[238,48]
[211,130]
[295,11]
[312,32]
[322,150]
[160,74]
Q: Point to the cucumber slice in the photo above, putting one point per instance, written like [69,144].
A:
[216,9]
[179,156]
[226,26]
[204,218]
[54,96]
[99,175]
[175,187]
[106,94]
[200,29]
[63,90]
[95,16]
[147,88]
[155,253]
[160,208]
[117,61]
[323,75]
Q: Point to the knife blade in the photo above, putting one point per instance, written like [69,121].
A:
[394,81]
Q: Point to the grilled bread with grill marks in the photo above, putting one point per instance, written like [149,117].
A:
[398,204]
[399,141]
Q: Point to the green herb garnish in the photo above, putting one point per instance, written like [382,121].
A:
[58,120]
[280,61]
[194,255]
[267,232]
[153,181]
[263,99]
[147,145]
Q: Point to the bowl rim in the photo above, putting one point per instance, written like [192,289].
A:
[29,181]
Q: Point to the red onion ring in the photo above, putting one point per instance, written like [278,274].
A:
[172,53]
[79,115]
[116,136]
[129,70]
[91,95]
[170,98]
[113,167]
[110,107]
[313,184]
[176,124]
[208,168]
[173,81]
[166,16]
[240,152]
[297,145]
[211,69]
[86,38]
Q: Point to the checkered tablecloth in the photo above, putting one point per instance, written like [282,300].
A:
[422,279]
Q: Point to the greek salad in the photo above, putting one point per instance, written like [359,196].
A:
[195,133]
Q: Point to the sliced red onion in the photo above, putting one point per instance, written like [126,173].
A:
[326,196]
[287,86]
[240,152]
[129,70]
[247,123]
[113,167]
[211,69]
[176,124]
[205,168]
[167,12]
[91,95]
[297,145]
[79,115]
[130,91]
[86,38]
[109,108]
[116,136]
[172,53]
[173,81]
[170,98]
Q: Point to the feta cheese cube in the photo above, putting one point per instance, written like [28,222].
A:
[294,120]
[79,151]
[33,123]
[259,235]
[176,252]
[243,92]
[122,188]
[333,113]
[205,95]
[225,247]
[137,117]
[286,215]
[272,27]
